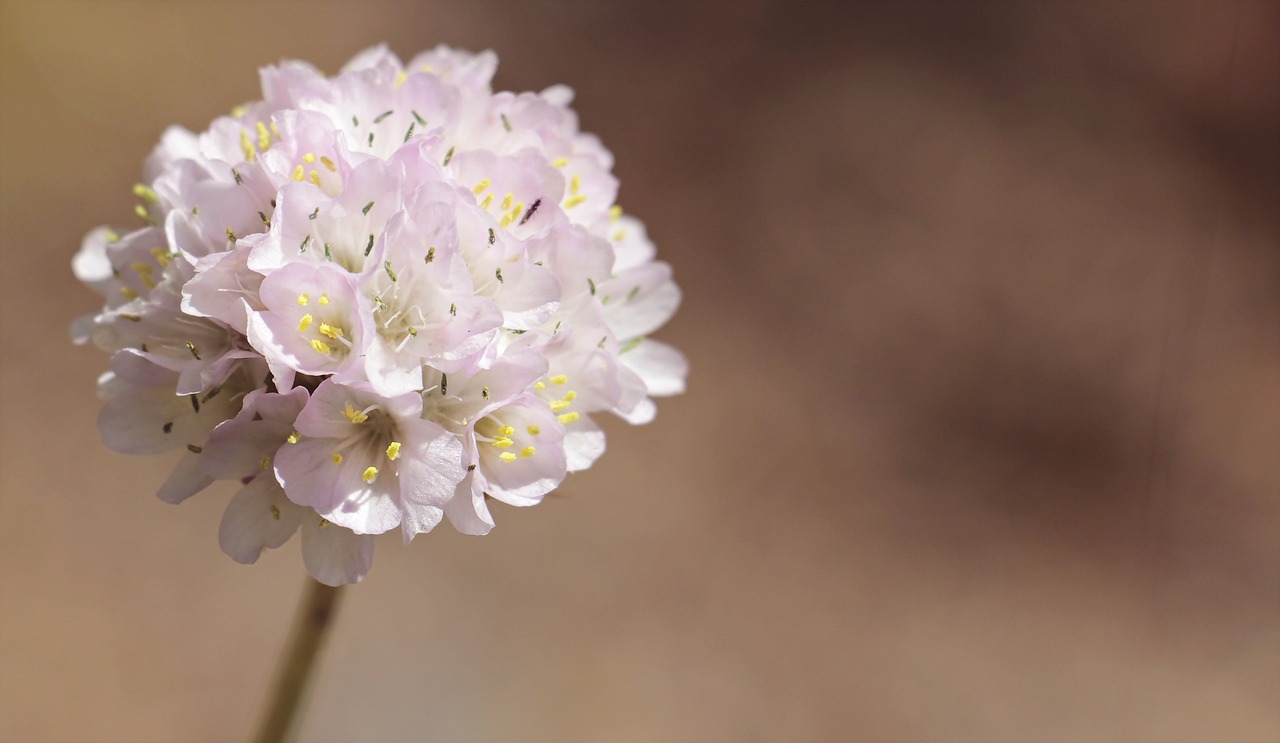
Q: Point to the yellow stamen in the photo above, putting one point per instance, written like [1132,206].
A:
[567,418]
[353,415]
[487,201]
[337,458]
[264,137]
[304,323]
[401,78]
[393,450]
[560,162]
[481,186]
[328,164]
[506,201]
[310,157]
[332,331]
[299,173]
[573,201]
[575,184]
[570,395]
[558,405]
[507,430]
[324,299]
[321,347]
[615,211]
[266,463]
[304,300]
[507,456]
[502,443]
[239,111]
[619,236]
[560,379]
[275,130]
[540,385]
[293,438]
[534,430]
[370,474]
[528,451]
[314,177]
[142,213]
[128,293]
[145,193]
[161,255]
[246,146]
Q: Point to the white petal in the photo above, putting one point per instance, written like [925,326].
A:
[333,555]
[258,517]
[662,367]
[186,480]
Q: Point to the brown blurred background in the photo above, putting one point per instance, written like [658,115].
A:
[983,428]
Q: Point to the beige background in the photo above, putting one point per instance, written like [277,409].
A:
[981,440]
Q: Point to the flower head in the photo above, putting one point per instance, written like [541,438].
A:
[376,300]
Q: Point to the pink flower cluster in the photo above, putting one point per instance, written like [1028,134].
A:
[375,300]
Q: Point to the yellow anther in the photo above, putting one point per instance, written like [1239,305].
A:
[558,405]
[540,385]
[480,187]
[142,213]
[560,162]
[370,474]
[328,164]
[161,256]
[246,146]
[128,293]
[145,193]
[428,69]
[506,201]
[502,443]
[567,418]
[332,331]
[314,177]
[353,415]
[304,323]
[534,430]
[570,396]
[275,130]
[321,347]
[304,300]
[299,173]
[401,78]
[560,379]
[324,299]
[507,456]
[264,137]
[275,512]
[507,430]
[393,450]
[615,212]
[488,200]
[619,236]
[310,157]
[266,463]
[293,438]
[111,235]
[575,184]
[528,451]
[573,201]
[239,111]
[336,457]
[506,220]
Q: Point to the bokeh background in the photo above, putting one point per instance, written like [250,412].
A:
[982,438]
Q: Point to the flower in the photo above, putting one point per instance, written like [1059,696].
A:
[376,300]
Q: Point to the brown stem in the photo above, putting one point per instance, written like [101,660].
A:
[293,681]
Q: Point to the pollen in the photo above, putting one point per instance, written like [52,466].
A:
[336,457]
[540,385]
[481,186]
[393,450]
[560,162]
[314,177]
[534,430]
[303,300]
[528,451]
[246,146]
[615,212]
[567,418]
[328,164]
[331,331]
[560,379]
[304,323]
[324,299]
[502,443]
[558,405]
[310,157]
[357,416]
[575,184]
[573,201]
[264,137]
[299,173]
[321,347]
[507,456]
[570,396]
[507,430]
[506,201]
[293,438]
[370,474]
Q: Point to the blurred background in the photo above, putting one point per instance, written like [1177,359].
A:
[982,438]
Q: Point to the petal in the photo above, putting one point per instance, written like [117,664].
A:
[333,555]
[258,517]
[186,480]
[662,368]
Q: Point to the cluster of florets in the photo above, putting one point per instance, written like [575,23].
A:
[376,300]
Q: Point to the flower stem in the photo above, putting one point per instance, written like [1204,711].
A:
[293,680]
